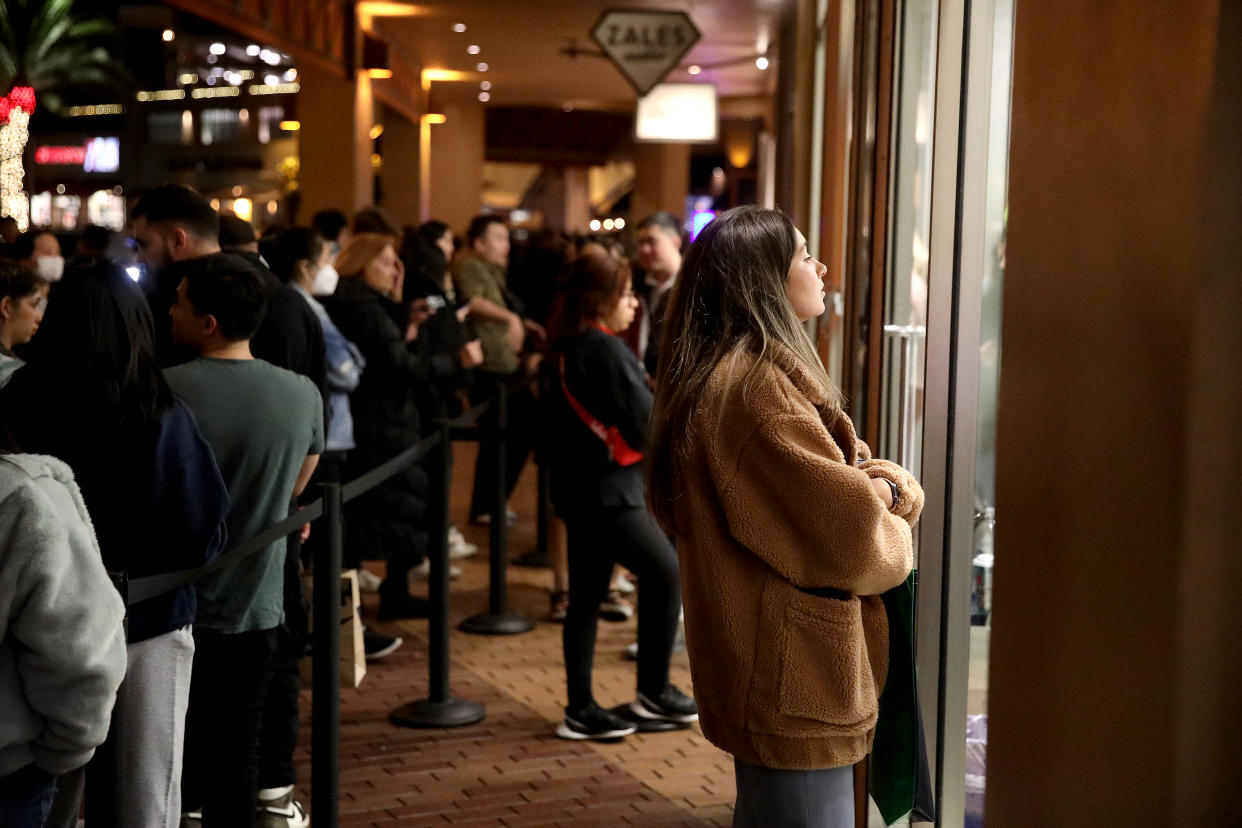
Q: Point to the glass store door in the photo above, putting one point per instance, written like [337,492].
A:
[991,273]
[940,357]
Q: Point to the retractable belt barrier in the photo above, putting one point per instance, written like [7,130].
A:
[439,709]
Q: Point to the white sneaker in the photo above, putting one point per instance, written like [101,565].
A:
[283,812]
[368,581]
[458,546]
[624,586]
[422,572]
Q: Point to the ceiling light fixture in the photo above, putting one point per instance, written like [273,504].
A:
[217,48]
[761,62]
[473,49]
[485,96]
[482,67]
[459,27]
[695,70]
[485,85]
[253,50]
[169,34]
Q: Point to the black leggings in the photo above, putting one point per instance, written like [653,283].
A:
[599,538]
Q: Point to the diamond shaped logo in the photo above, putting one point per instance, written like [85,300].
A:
[644,45]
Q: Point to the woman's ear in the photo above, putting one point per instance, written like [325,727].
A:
[6,308]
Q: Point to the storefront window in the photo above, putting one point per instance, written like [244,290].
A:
[905,301]
[56,212]
[983,553]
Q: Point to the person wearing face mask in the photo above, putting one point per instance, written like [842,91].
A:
[39,250]
[23,296]
[303,260]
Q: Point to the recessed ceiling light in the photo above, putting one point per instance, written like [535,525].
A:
[761,62]
[217,48]
[482,67]
[485,85]
[568,107]
[253,50]
[485,96]
[695,70]
[169,34]
[473,49]
[459,27]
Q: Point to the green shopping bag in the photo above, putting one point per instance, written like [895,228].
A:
[900,781]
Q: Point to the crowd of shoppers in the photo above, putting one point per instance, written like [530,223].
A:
[146,425]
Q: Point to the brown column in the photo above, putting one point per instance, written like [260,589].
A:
[457,149]
[401,163]
[1116,639]
[661,179]
[577,200]
[334,144]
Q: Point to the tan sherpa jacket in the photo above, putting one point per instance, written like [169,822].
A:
[774,501]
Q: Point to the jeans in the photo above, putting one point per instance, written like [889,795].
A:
[280,716]
[228,693]
[793,798]
[26,797]
[600,537]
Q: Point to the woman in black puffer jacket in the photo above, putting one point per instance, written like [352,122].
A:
[389,522]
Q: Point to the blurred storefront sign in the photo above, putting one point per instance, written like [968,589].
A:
[100,155]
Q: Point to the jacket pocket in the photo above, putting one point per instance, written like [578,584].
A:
[825,673]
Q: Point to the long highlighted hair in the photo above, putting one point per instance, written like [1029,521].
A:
[731,300]
[360,251]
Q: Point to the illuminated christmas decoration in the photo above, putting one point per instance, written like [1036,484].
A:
[15,111]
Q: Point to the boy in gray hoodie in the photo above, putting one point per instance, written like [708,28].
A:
[62,641]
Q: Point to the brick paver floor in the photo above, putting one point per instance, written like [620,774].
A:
[510,769]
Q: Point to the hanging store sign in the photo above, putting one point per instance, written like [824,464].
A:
[100,155]
[682,113]
[645,45]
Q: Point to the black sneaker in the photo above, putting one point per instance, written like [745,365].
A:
[405,606]
[593,722]
[671,705]
[378,646]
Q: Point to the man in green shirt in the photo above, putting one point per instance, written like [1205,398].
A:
[265,427]
[495,319]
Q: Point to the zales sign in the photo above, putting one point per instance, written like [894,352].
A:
[644,45]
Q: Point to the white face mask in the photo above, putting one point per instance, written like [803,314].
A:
[50,268]
[325,281]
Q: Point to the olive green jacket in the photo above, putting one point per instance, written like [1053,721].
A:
[476,279]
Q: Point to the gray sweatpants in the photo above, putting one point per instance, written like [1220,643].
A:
[145,742]
[148,724]
[770,798]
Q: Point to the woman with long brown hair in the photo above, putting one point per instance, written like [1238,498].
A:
[599,411]
[390,521]
[787,530]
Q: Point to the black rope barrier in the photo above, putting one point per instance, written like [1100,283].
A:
[440,709]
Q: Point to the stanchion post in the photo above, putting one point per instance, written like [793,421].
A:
[539,557]
[439,709]
[499,620]
[497,594]
[326,666]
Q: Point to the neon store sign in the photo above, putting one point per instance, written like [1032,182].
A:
[99,155]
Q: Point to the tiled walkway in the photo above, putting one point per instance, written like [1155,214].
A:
[510,769]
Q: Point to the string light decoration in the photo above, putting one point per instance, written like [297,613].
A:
[15,111]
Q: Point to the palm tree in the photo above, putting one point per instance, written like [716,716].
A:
[45,51]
